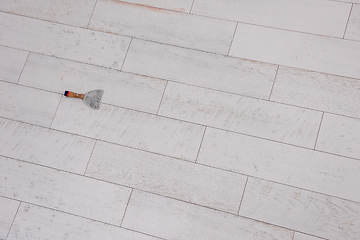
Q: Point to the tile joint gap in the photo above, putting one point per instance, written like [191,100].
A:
[317,136]
[22,70]
[162,97]
[242,197]
[276,73]
[127,205]
[122,66]
[87,165]
[87,26]
[232,39]
[347,23]
[12,223]
[202,139]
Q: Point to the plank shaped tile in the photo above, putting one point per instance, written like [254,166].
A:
[139,21]
[8,211]
[301,210]
[318,91]
[171,219]
[175,5]
[70,12]
[121,89]
[241,114]
[63,191]
[340,135]
[201,69]
[303,168]
[353,28]
[27,104]
[130,128]
[311,16]
[166,176]
[11,63]
[293,49]
[351,1]
[63,41]
[301,236]
[34,222]
[45,147]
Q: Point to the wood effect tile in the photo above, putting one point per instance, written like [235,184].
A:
[350,1]
[301,210]
[11,63]
[299,167]
[121,89]
[293,49]
[172,219]
[34,222]
[63,41]
[301,236]
[353,27]
[175,5]
[45,147]
[8,211]
[200,69]
[340,135]
[130,128]
[27,104]
[241,114]
[63,191]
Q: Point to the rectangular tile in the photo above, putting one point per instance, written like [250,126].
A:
[175,5]
[27,104]
[63,191]
[301,210]
[121,89]
[139,21]
[318,91]
[293,49]
[11,63]
[63,41]
[130,128]
[312,16]
[353,29]
[299,167]
[167,176]
[45,147]
[172,219]
[241,114]
[34,222]
[8,211]
[301,236]
[201,69]
[70,12]
[340,135]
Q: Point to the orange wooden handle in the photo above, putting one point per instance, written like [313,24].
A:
[74,95]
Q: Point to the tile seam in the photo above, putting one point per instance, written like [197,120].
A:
[162,97]
[87,26]
[318,133]
[347,23]
[277,70]
[92,151]
[127,51]
[242,197]
[22,70]
[202,139]
[12,223]
[127,205]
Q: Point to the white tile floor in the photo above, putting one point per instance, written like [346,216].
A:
[220,119]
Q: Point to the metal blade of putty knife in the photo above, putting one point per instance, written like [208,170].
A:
[92,98]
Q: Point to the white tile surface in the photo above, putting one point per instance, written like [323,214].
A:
[301,236]
[121,89]
[63,41]
[303,168]
[312,16]
[319,91]
[301,210]
[8,209]
[172,219]
[45,147]
[63,191]
[175,5]
[353,28]
[27,104]
[33,222]
[305,51]
[168,177]
[241,114]
[213,35]
[11,63]
[340,135]
[130,128]
[200,69]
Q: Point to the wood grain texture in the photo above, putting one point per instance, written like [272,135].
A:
[11,64]
[301,210]
[353,27]
[171,219]
[175,5]
[63,191]
[8,209]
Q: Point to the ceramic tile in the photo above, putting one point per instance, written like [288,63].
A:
[63,191]
[301,236]
[175,5]
[121,89]
[319,91]
[166,176]
[340,135]
[130,128]
[11,63]
[201,69]
[27,104]
[139,21]
[45,147]
[241,114]
[8,211]
[64,11]
[33,222]
[353,29]
[299,167]
[301,210]
[172,219]
[63,41]
[293,49]
[311,16]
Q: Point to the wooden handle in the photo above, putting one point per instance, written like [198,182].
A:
[74,95]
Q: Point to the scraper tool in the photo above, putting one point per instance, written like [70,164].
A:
[92,98]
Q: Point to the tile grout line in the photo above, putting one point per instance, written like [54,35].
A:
[87,165]
[162,97]
[12,223]
[277,70]
[127,51]
[232,39]
[192,5]
[347,23]
[22,70]
[87,26]
[318,133]
[127,205]
[202,139]
[242,197]
[52,121]
[293,235]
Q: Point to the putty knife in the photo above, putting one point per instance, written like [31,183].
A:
[92,98]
